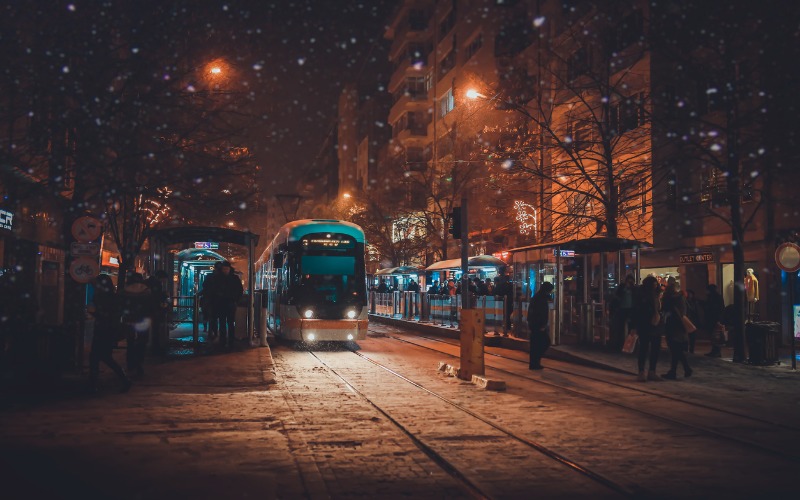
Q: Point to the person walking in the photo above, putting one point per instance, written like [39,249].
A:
[620,309]
[158,288]
[107,327]
[207,297]
[538,323]
[137,306]
[227,292]
[649,324]
[673,307]
[714,305]
[695,314]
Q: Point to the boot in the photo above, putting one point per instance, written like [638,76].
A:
[642,377]
[715,352]
[651,375]
[670,375]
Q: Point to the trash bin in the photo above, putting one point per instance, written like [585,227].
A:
[763,339]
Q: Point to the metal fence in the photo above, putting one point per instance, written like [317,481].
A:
[444,310]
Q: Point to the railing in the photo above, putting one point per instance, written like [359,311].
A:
[444,310]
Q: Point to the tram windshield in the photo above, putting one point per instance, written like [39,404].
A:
[329,272]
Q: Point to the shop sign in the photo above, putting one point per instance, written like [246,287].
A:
[564,253]
[6,219]
[697,258]
[206,244]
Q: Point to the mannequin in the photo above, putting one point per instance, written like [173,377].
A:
[751,290]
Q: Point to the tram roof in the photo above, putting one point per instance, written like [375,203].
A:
[302,227]
[589,245]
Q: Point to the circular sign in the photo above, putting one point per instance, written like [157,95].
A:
[787,256]
[84,269]
[86,229]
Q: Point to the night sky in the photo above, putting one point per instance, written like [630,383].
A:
[311,49]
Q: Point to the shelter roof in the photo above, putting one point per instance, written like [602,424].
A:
[186,234]
[474,261]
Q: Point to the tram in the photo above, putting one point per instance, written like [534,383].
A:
[312,282]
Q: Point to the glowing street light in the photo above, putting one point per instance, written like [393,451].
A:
[216,70]
[474,94]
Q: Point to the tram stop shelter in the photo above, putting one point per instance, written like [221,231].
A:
[586,274]
[399,277]
[169,246]
[480,266]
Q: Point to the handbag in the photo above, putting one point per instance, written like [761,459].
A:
[630,342]
[688,326]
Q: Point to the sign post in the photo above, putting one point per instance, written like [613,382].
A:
[787,257]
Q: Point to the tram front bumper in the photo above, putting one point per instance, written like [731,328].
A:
[333,330]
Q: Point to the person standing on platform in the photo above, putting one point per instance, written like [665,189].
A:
[539,324]
[714,305]
[207,296]
[227,292]
[673,307]
[137,307]
[107,328]
[648,324]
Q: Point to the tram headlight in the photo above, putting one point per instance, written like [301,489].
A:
[311,337]
[308,314]
[349,336]
[351,314]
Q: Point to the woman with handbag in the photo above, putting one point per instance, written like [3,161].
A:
[677,327]
[648,324]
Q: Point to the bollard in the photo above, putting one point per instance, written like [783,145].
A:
[472,323]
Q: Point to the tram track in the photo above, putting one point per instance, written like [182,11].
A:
[448,465]
[699,428]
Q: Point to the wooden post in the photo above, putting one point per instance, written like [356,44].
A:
[472,323]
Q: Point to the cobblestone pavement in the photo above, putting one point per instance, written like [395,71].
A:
[278,423]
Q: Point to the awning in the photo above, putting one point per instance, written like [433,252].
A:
[474,261]
[399,270]
[589,245]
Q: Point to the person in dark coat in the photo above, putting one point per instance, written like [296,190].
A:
[505,289]
[107,330]
[648,323]
[226,294]
[714,305]
[137,308]
[538,323]
[673,306]
[207,300]
[157,283]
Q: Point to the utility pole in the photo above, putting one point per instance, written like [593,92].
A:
[472,320]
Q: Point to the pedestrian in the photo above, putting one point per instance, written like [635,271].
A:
[673,306]
[505,289]
[481,287]
[137,306]
[207,294]
[227,292]
[539,323]
[434,288]
[648,323]
[489,287]
[695,314]
[383,287]
[413,286]
[712,316]
[620,309]
[107,330]
[160,307]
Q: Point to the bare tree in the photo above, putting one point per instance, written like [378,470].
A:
[582,153]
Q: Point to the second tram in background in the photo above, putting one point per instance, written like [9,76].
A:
[312,281]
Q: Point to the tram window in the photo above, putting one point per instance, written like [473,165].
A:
[314,264]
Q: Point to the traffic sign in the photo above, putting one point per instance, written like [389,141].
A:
[84,269]
[787,256]
[89,249]
[86,229]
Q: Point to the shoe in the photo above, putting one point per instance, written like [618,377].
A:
[670,376]
[126,386]
[536,367]
[653,377]
[642,377]
[687,373]
[714,354]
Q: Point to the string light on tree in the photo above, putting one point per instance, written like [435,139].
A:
[527,217]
